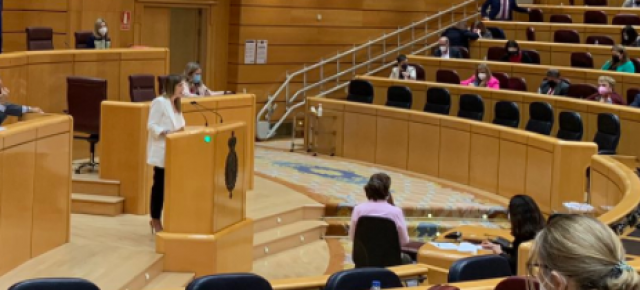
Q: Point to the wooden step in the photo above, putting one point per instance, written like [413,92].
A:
[169,280]
[286,237]
[278,219]
[91,184]
[97,204]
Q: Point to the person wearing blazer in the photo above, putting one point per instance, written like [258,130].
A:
[445,51]
[165,117]
[501,9]
[8,109]
[553,84]
[403,71]
[482,78]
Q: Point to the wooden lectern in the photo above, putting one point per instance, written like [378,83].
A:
[205,226]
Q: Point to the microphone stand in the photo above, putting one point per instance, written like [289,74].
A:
[206,124]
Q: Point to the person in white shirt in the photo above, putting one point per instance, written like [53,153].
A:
[165,117]
[403,71]
[8,109]
[194,85]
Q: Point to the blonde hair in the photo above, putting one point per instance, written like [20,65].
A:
[607,79]
[584,250]
[170,89]
[191,68]
[98,25]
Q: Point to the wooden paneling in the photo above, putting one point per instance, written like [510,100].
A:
[304,32]
[498,159]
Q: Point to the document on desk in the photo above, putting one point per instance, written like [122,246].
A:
[2,128]
[462,247]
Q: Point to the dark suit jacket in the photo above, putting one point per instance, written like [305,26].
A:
[11,110]
[512,254]
[495,8]
[453,53]
[459,37]
[561,88]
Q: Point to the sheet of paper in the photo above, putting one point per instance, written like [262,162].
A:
[250,51]
[261,54]
[2,129]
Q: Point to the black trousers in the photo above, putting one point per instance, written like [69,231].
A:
[157,193]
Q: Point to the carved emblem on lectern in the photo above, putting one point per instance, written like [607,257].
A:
[231,166]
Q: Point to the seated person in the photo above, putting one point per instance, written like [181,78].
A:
[605,92]
[380,204]
[483,78]
[194,85]
[403,71]
[629,36]
[575,252]
[8,109]
[631,3]
[636,102]
[526,221]
[459,35]
[619,61]
[514,54]
[445,51]
[553,84]
[479,28]
[100,38]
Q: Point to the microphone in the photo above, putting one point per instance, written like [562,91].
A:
[206,121]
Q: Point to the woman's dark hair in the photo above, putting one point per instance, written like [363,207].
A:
[170,89]
[511,43]
[401,58]
[631,33]
[378,187]
[526,217]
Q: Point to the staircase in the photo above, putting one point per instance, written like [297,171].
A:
[92,195]
[380,54]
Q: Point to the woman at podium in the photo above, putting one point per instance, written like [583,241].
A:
[165,117]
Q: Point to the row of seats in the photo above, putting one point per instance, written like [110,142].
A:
[472,107]
[559,36]
[590,17]
[41,38]
[355,279]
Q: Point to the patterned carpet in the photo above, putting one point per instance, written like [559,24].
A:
[338,184]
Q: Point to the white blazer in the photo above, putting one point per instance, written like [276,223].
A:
[395,74]
[161,118]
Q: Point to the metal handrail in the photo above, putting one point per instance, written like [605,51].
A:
[354,68]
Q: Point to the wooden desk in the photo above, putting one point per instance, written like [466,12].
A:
[35,191]
[612,3]
[629,117]
[552,54]
[544,30]
[39,78]
[497,159]
[576,12]
[127,161]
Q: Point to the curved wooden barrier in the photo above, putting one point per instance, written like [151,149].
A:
[123,139]
[576,12]
[497,159]
[551,54]
[629,117]
[38,78]
[545,30]
[35,191]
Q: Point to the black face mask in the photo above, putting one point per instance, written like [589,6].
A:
[616,58]
[552,83]
[404,66]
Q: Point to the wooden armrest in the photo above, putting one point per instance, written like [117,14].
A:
[629,161]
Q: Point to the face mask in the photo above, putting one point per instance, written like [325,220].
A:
[552,83]
[603,90]
[103,31]
[482,76]
[197,79]
[513,51]
[625,36]
[616,58]
[404,66]
[443,49]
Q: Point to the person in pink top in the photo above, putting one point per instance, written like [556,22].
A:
[483,78]
[380,204]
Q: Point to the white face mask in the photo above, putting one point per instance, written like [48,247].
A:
[103,31]
[482,76]
[443,49]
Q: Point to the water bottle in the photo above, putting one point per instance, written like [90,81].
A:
[375,285]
